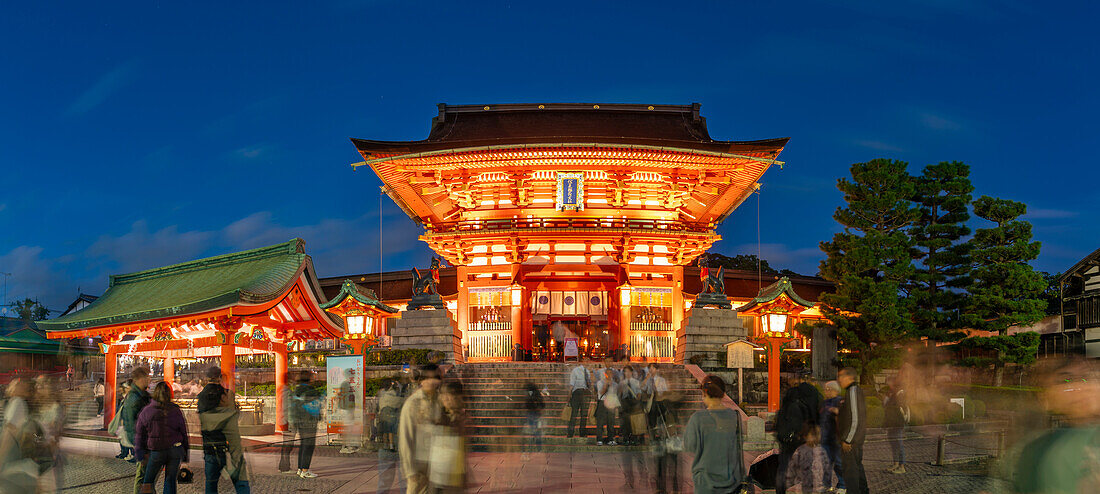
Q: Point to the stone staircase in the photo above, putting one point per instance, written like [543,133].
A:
[495,396]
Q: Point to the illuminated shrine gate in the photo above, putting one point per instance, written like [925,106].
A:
[548,201]
[256,301]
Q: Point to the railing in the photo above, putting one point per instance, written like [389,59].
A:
[491,326]
[490,345]
[652,346]
[651,326]
[508,224]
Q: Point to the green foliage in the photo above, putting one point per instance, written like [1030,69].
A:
[30,310]
[397,357]
[870,261]
[1019,348]
[1051,295]
[875,415]
[749,262]
[943,194]
[1006,290]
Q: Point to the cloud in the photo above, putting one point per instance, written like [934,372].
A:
[104,87]
[141,249]
[937,122]
[1045,214]
[36,276]
[252,152]
[878,145]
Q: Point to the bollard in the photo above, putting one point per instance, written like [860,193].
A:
[941,451]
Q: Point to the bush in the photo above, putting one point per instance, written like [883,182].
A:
[950,414]
[398,357]
[875,415]
[268,389]
[975,408]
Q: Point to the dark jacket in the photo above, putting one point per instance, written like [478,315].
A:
[210,399]
[827,421]
[852,419]
[135,402]
[894,409]
[800,406]
[160,428]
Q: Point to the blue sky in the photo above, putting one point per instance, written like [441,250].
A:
[137,134]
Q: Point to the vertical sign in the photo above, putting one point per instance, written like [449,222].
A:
[344,403]
[570,192]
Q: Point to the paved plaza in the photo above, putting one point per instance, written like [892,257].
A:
[91,468]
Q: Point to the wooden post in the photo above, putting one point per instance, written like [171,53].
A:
[229,362]
[280,385]
[740,387]
[110,381]
[169,371]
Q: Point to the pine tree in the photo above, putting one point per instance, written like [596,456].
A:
[870,261]
[1005,290]
[943,194]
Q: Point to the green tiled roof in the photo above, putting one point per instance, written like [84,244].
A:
[363,295]
[773,291]
[27,340]
[249,277]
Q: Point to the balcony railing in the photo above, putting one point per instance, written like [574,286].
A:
[511,224]
[490,345]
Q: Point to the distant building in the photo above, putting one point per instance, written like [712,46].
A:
[1080,321]
[82,301]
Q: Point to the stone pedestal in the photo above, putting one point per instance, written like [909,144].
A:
[706,332]
[430,329]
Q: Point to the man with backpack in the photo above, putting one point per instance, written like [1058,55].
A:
[134,403]
[798,410]
[221,436]
[305,414]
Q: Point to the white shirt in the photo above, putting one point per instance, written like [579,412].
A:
[16,413]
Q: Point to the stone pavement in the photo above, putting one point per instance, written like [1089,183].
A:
[91,468]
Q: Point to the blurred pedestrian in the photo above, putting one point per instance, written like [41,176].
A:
[799,409]
[305,415]
[607,405]
[632,425]
[126,447]
[69,376]
[285,424]
[713,436]
[97,392]
[219,421]
[51,421]
[390,401]
[809,466]
[852,430]
[1066,458]
[418,416]
[895,416]
[533,405]
[136,401]
[18,471]
[662,417]
[447,467]
[829,410]
[578,400]
[389,408]
[160,440]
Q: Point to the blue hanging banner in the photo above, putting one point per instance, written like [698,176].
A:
[570,192]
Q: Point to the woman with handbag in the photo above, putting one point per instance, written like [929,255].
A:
[160,439]
[713,436]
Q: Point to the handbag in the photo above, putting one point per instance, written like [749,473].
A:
[566,412]
[186,476]
[672,444]
[447,466]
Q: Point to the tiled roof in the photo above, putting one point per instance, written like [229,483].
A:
[773,291]
[362,295]
[249,277]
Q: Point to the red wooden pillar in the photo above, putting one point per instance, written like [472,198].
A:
[280,385]
[110,378]
[229,362]
[169,371]
[774,348]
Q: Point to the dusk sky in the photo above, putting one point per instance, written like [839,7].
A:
[139,134]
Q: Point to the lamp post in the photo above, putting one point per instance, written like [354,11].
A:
[774,326]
